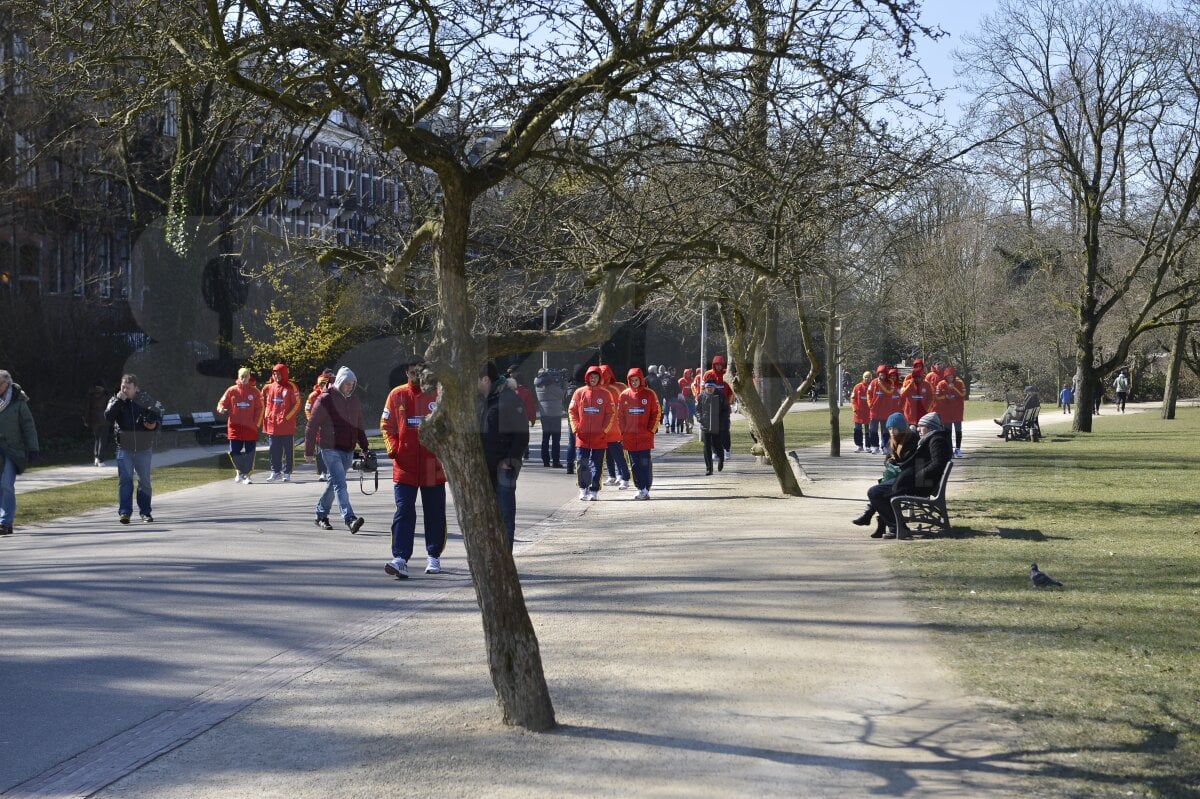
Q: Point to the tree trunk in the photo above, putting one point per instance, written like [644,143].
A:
[1171,389]
[831,361]
[452,433]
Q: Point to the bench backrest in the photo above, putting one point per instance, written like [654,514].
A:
[172,420]
[1031,414]
[941,492]
[203,417]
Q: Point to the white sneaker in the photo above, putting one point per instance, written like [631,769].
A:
[237,478]
[246,480]
[274,476]
[397,568]
[287,478]
[728,455]
[622,485]
[99,462]
[433,566]
[610,481]
[583,495]
[958,453]
[592,496]
[858,449]
[643,494]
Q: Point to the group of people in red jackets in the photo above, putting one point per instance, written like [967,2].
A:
[878,396]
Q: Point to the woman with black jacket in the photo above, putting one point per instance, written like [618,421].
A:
[919,476]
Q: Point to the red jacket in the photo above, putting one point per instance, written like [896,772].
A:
[403,412]
[915,397]
[711,376]
[858,402]
[949,397]
[592,413]
[879,399]
[244,405]
[281,404]
[638,414]
[527,400]
[609,381]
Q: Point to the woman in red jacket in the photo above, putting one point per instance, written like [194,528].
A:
[244,407]
[638,413]
[593,414]
[861,410]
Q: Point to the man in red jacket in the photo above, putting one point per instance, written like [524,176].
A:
[638,414]
[915,394]
[414,469]
[879,405]
[242,403]
[618,467]
[861,411]
[949,400]
[281,405]
[593,414]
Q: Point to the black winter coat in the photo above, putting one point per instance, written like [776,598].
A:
[921,475]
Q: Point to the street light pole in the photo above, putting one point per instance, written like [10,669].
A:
[545,306]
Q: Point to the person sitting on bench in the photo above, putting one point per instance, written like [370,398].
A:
[920,475]
[1017,411]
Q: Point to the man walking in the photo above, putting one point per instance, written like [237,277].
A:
[338,422]
[243,405]
[18,446]
[281,404]
[133,424]
[592,413]
[550,392]
[414,470]
[505,435]
[712,412]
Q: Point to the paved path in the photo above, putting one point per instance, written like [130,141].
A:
[719,640]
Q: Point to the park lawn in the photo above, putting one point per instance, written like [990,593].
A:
[71,500]
[1102,676]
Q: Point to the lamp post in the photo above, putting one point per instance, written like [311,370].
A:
[837,332]
[544,304]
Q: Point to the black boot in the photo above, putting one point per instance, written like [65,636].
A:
[880,528]
[865,518]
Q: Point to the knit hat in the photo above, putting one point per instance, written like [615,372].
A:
[896,422]
[930,421]
[343,375]
[710,384]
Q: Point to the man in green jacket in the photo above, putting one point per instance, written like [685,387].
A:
[18,446]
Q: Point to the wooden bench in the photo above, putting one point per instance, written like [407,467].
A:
[208,429]
[924,514]
[1026,428]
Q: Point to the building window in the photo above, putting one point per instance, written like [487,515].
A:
[24,167]
[171,113]
[79,261]
[124,268]
[104,265]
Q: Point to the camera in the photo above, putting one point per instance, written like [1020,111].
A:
[149,416]
[365,462]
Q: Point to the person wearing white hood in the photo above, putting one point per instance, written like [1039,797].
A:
[337,414]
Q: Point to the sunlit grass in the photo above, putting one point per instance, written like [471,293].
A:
[1104,675]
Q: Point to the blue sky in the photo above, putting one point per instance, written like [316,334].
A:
[957,18]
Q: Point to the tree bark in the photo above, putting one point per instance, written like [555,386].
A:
[1171,389]
[452,433]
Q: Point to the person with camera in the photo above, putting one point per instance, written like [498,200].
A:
[134,422]
[18,446]
[415,470]
[550,390]
[336,422]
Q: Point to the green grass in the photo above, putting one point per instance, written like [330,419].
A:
[1103,676]
[52,503]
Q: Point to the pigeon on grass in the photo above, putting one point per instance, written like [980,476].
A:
[1041,579]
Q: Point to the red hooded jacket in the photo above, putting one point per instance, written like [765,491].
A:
[403,412]
[858,402]
[638,414]
[244,406]
[915,394]
[592,412]
[717,375]
[880,396]
[609,381]
[281,402]
[950,396]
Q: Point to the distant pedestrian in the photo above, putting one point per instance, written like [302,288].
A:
[243,405]
[1121,389]
[323,381]
[638,413]
[592,413]
[337,422]
[717,375]
[414,470]
[281,403]
[1066,397]
[134,422]
[528,403]
[18,446]
[574,384]
[550,389]
[861,412]
[504,430]
[712,414]
[94,404]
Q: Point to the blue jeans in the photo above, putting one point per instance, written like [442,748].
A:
[337,461]
[280,453]
[616,461]
[242,455]
[404,521]
[591,466]
[572,450]
[129,463]
[504,482]
[551,436]
[643,470]
[8,492]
